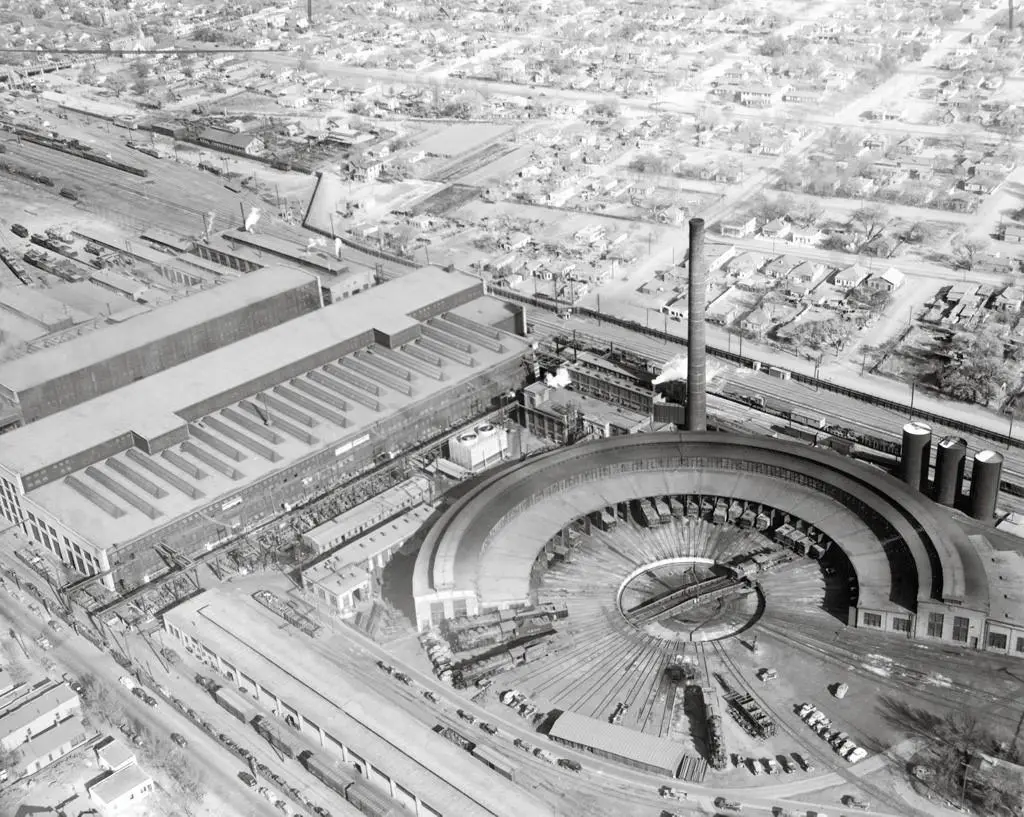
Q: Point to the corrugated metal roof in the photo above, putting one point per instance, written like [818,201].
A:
[618,740]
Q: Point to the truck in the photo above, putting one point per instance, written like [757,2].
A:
[127,682]
[234,704]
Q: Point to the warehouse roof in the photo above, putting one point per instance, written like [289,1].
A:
[114,786]
[238,438]
[45,365]
[572,727]
[314,681]
[40,307]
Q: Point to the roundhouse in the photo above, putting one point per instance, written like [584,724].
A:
[915,570]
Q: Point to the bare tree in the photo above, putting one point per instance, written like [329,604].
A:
[966,249]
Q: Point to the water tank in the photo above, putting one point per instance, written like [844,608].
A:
[916,455]
[985,476]
[950,459]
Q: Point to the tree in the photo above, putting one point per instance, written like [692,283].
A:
[117,84]
[833,333]
[966,250]
[974,369]
[807,212]
[89,74]
[774,46]
[870,221]
[9,760]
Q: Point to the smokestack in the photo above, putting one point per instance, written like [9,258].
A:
[1009,24]
[696,387]
[309,12]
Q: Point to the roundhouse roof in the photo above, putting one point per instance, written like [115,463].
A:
[487,540]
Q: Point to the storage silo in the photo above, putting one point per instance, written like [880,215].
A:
[985,476]
[915,457]
[950,459]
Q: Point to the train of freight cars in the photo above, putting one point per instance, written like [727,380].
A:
[74,148]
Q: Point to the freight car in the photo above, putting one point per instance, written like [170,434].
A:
[272,736]
[74,148]
[234,704]
[354,789]
[11,260]
[778,407]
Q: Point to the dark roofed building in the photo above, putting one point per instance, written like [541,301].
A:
[618,743]
[248,144]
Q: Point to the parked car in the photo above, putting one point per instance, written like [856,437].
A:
[570,764]
[469,717]
[20,230]
[489,728]
[430,696]
[248,779]
[139,692]
[179,739]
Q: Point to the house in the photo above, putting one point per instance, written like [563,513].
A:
[761,96]
[672,215]
[243,143]
[776,229]
[25,717]
[738,229]
[745,265]
[875,141]
[808,237]
[807,272]
[365,168]
[981,184]
[888,281]
[851,277]
[50,745]
[1014,233]
[780,267]
[114,755]
[756,323]
[121,788]
[1010,299]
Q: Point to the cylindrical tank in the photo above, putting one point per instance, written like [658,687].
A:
[985,476]
[916,455]
[950,459]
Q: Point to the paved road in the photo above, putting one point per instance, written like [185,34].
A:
[77,656]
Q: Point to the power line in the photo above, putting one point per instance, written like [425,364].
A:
[120,52]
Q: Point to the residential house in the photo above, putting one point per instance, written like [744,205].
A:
[875,142]
[723,311]
[806,93]
[738,228]
[776,229]
[29,715]
[851,277]
[779,268]
[1014,233]
[745,265]
[672,215]
[888,281]
[757,323]
[980,184]
[1010,299]
[887,171]
[122,790]
[365,168]
[807,272]
[909,146]
[761,96]
[808,237]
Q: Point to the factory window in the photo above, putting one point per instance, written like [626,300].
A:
[436,613]
[1020,645]
[936,622]
[459,608]
[872,620]
[901,625]
[997,641]
[961,625]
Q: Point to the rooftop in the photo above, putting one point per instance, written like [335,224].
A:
[116,785]
[40,307]
[114,754]
[48,364]
[573,727]
[41,705]
[314,680]
[45,743]
[360,551]
[234,439]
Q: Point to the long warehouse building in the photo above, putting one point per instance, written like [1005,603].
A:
[191,455]
[346,721]
[67,374]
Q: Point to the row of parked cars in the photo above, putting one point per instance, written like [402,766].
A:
[837,739]
[774,765]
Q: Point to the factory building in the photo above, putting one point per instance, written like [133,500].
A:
[68,374]
[184,460]
[341,720]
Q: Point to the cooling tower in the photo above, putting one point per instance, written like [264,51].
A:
[696,387]
[916,455]
[950,459]
[988,468]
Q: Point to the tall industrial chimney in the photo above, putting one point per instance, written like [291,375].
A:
[309,12]
[1009,23]
[696,386]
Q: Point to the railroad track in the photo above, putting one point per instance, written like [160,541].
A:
[951,696]
[817,748]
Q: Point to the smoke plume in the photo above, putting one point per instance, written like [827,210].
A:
[559,380]
[251,219]
[675,369]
